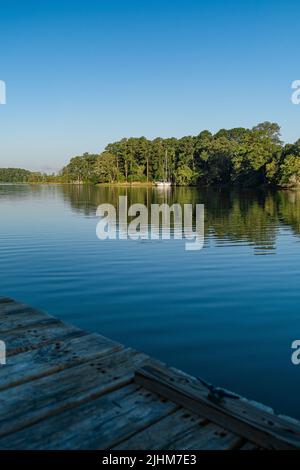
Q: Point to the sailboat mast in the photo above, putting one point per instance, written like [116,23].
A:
[166,165]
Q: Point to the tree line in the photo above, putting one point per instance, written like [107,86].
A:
[242,157]
[18,175]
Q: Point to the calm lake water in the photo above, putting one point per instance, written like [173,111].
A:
[227,313]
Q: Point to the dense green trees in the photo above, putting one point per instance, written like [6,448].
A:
[239,156]
[14,175]
[18,175]
[244,157]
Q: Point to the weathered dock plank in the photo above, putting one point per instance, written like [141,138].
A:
[182,430]
[54,357]
[208,437]
[13,307]
[63,388]
[237,415]
[123,413]
[20,316]
[165,432]
[38,334]
[26,404]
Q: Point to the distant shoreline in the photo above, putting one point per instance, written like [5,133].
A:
[137,184]
[238,157]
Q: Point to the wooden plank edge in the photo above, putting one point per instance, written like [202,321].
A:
[265,438]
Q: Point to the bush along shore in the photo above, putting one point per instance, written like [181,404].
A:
[240,157]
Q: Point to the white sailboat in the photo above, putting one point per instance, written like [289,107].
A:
[165,183]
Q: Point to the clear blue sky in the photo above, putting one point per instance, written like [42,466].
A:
[82,73]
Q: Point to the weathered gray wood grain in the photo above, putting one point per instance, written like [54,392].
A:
[34,336]
[209,437]
[65,389]
[23,405]
[20,316]
[99,424]
[164,433]
[181,430]
[53,357]
[238,416]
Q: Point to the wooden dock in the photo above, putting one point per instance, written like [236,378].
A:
[63,388]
